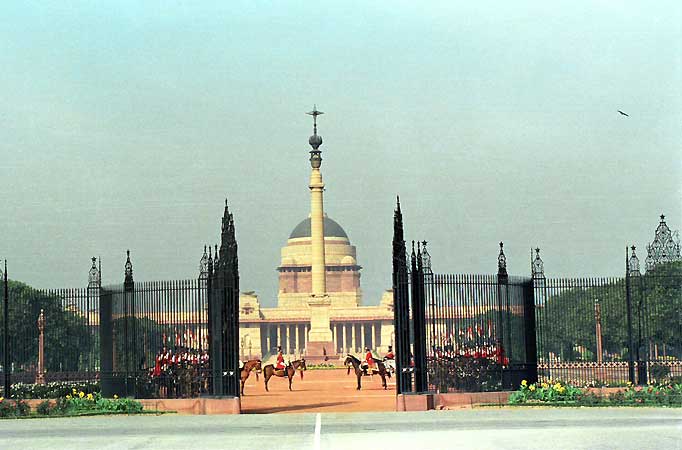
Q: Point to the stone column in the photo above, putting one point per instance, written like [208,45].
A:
[352,338]
[334,337]
[374,337]
[318,271]
[320,334]
[306,329]
[297,348]
[342,327]
[279,335]
[386,330]
[362,336]
[267,339]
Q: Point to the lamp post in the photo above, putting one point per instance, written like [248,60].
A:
[40,378]
[597,319]
[6,363]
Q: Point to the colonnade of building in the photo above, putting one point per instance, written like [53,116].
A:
[261,339]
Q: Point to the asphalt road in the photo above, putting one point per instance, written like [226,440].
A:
[563,428]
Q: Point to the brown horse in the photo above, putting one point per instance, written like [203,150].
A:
[270,371]
[249,366]
[357,365]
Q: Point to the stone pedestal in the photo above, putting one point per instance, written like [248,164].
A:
[320,345]
[320,330]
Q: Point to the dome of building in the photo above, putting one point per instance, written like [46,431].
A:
[331,229]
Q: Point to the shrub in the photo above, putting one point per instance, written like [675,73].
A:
[552,392]
[13,408]
[321,366]
[669,395]
[53,389]
[44,408]
[78,402]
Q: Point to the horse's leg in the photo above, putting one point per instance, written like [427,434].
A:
[359,375]
[383,380]
[266,377]
[242,390]
[291,376]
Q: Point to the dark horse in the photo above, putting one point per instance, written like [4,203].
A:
[249,366]
[357,365]
[289,371]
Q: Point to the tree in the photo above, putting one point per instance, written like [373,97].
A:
[70,341]
[566,323]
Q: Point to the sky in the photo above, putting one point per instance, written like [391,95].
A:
[125,125]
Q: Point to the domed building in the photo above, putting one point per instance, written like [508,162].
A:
[353,327]
[342,271]
[319,313]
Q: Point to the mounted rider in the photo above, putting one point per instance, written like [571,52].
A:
[280,359]
[389,359]
[368,363]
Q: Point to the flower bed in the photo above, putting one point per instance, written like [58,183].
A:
[556,393]
[54,389]
[322,366]
[76,403]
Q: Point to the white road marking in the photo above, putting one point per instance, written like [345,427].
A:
[318,427]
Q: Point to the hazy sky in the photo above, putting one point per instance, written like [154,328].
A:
[124,125]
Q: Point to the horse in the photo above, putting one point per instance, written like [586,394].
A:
[357,365]
[249,366]
[288,371]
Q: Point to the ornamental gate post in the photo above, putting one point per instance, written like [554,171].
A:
[628,305]
[401,306]
[6,363]
[504,336]
[224,313]
[419,321]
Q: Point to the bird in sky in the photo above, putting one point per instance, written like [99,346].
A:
[626,115]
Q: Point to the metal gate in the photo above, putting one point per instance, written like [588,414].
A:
[459,332]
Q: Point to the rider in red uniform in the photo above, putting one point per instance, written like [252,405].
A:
[369,361]
[389,359]
[390,354]
[280,360]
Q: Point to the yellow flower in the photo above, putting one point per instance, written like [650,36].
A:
[81,394]
[90,397]
[557,386]
[545,385]
[68,396]
[532,387]
[524,383]
[74,391]
[2,398]
[115,396]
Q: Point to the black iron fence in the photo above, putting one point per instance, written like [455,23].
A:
[475,331]
[490,332]
[151,339]
[606,331]
[582,330]
[154,338]
[69,332]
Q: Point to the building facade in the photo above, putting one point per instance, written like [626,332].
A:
[318,313]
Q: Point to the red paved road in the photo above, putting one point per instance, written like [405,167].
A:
[319,391]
